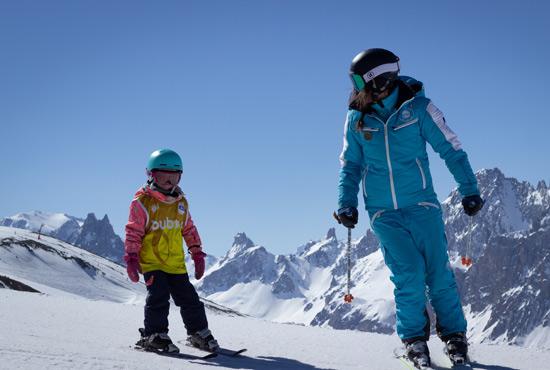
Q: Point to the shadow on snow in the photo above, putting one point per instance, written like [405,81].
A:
[260,362]
[477,365]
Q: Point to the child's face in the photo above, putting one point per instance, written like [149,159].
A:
[166,180]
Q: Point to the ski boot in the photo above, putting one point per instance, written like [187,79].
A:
[456,347]
[204,340]
[158,342]
[418,353]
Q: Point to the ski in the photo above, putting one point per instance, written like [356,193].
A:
[399,354]
[230,352]
[221,351]
[183,356]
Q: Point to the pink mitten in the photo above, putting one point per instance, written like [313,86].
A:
[198,257]
[132,266]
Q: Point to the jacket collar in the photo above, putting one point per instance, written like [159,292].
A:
[147,190]
[406,92]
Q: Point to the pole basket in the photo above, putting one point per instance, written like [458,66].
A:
[466,261]
[348,298]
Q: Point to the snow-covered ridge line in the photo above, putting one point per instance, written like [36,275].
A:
[96,236]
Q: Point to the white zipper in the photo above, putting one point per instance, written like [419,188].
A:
[421,173]
[405,124]
[365,181]
[392,185]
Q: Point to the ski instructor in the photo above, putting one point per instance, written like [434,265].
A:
[388,125]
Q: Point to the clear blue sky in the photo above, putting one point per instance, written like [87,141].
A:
[253,95]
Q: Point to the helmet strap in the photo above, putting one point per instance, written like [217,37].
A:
[171,192]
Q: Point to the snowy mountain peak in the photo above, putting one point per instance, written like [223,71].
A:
[541,185]
[490,173]
[322,253]
[92,221]
[241,243]
[366,245]
[35,220]
[98,236]
[331,233]
[510,206]
[90,218]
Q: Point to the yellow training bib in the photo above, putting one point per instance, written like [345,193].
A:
[162,246]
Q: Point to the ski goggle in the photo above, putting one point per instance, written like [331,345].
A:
[378,84]
[162,177]
[357,81]
[380,76]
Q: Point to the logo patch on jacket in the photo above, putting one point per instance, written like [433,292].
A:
[181,208]
[405,115]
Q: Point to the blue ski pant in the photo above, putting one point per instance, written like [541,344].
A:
[157,304]
[414,246]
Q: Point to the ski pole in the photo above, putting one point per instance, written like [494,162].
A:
[467,259]
[348,297]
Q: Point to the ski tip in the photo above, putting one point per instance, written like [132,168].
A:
[230,352]
[210,355]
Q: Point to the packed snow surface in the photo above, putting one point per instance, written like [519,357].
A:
[67,332]
[88,314]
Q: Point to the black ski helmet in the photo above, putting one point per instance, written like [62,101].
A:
[374,69]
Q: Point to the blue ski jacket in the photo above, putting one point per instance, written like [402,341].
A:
[389,155]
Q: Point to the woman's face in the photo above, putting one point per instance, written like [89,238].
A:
[365,97]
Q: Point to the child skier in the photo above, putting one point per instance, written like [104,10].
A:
[388,125]
[158,224]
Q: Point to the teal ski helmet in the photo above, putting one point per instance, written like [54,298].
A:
[164,159]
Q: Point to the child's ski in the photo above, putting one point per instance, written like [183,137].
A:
[229,352]
[221,350]
[183,356]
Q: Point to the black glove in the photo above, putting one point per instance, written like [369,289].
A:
[347,216]
[472,204]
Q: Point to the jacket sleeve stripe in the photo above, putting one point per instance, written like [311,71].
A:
[346,144]
[439,119]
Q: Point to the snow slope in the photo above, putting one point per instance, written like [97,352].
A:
[88,313]
[52,266]
[62,332]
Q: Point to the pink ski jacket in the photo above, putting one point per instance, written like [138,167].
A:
[157,226]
